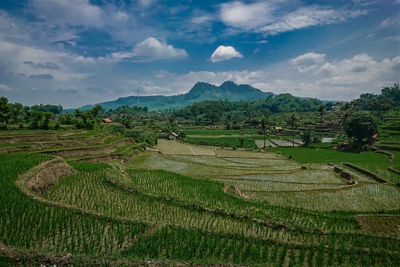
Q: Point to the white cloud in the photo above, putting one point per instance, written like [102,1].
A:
[276,16]
[309,16]
[72,12]
[32,61]
[4,87]
[202,19]
[151,49]
[360,70]
[121,16]
[308,61]
[390,21]
[247,16]
[146,3]
[224,53]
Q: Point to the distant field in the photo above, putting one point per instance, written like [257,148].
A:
[218,132]
[374,162]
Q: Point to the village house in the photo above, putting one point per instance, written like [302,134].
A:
[172,136]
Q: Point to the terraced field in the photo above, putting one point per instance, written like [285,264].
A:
[89,200]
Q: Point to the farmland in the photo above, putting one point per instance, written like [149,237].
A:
[83,194]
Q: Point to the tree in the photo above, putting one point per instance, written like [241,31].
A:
[47,117]
[264,124]
[361,125]
[306,136]
[36,118]
[127,121]
[293,121]
[17,113]
[5,108]
[94,113]
[321,111]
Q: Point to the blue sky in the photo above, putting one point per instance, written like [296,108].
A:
[76,52]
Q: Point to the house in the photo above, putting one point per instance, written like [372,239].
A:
[107,120]
[279,128]
[172,136]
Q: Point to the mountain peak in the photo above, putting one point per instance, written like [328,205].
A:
[228,84]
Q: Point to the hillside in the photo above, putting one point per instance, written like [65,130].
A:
[200,91]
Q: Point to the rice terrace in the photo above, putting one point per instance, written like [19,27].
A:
[89,197]
[199,133]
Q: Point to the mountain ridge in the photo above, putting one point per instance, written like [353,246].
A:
[201,91]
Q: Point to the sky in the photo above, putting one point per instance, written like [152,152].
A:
[78,52]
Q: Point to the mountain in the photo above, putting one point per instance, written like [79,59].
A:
[200,91]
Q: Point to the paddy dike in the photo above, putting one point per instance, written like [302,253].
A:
[56,144]
[88,151]
[42,138]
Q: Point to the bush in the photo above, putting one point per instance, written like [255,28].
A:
[3,126]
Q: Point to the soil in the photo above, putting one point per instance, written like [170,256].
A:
[381,223]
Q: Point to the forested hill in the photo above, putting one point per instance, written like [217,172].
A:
[216,111]
[200,92]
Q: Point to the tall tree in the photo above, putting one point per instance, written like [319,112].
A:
[5,109]
[321,112]
[264,124]
[293,121]
[361,125]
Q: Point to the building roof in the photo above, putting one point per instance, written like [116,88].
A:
[173,134]
[107,120]
[278,128]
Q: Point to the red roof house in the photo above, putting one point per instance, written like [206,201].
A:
[107,120]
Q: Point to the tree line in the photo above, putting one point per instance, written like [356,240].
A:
[16,115]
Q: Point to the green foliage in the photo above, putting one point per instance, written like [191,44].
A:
[140,134]
[306,137]
[388,99]
[54,109]
[361,125]
[89,119]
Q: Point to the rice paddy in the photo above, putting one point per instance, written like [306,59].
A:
[189,204]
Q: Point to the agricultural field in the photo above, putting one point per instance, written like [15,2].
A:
[86,198]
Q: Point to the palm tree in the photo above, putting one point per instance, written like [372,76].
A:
[293,122]
[264,123]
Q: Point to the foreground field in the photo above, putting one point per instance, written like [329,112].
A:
[188,204]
